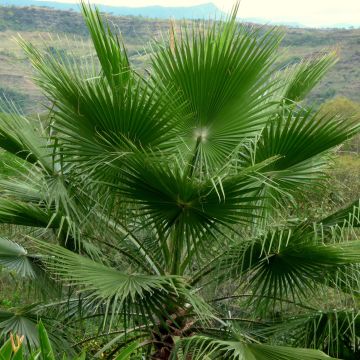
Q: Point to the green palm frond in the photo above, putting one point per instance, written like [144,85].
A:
[222,72]
[97,124]
[24,322]
[284,264]
[15,258]
[23,138]
[38,199]
[122,292]
[348,216]
[28,266]
[21,321]
[301,141]
[202,347]
[109,49]
[303,77]
[23,189]
[185,209]
[27,214]
[166,193]
[335,331]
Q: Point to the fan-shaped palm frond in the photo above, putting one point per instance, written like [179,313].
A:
[13,349]
[183,208]
[123,292]
[348,216]
[300,140]
[105,121]
[168,194]
[303,77]
[29,267]
[335,331]
[23,322]
[202,347]
[21,137]
[222,73]
[284,264]
[15,258]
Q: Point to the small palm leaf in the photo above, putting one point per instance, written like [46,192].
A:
[24,320]
[301,78]
[22,137]
[15,258]
[21,321]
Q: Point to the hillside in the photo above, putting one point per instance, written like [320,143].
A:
[162,12]
[37,24]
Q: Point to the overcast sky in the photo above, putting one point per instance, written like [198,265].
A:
[307,12]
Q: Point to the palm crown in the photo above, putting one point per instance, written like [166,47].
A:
[161,202]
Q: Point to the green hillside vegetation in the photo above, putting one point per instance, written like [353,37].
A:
[348,110]
[37,24]
[344,183]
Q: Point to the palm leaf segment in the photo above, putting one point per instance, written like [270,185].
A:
[41,195]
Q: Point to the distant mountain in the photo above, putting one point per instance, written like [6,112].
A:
[203,11]
[293,24]
[345,26]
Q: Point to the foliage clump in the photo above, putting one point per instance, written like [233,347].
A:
[163,203]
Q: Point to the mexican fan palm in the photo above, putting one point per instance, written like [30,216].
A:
[154,213]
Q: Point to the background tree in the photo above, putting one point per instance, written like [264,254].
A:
[347,110]
[162,204]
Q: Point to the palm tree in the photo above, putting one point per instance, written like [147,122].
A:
[156,216]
